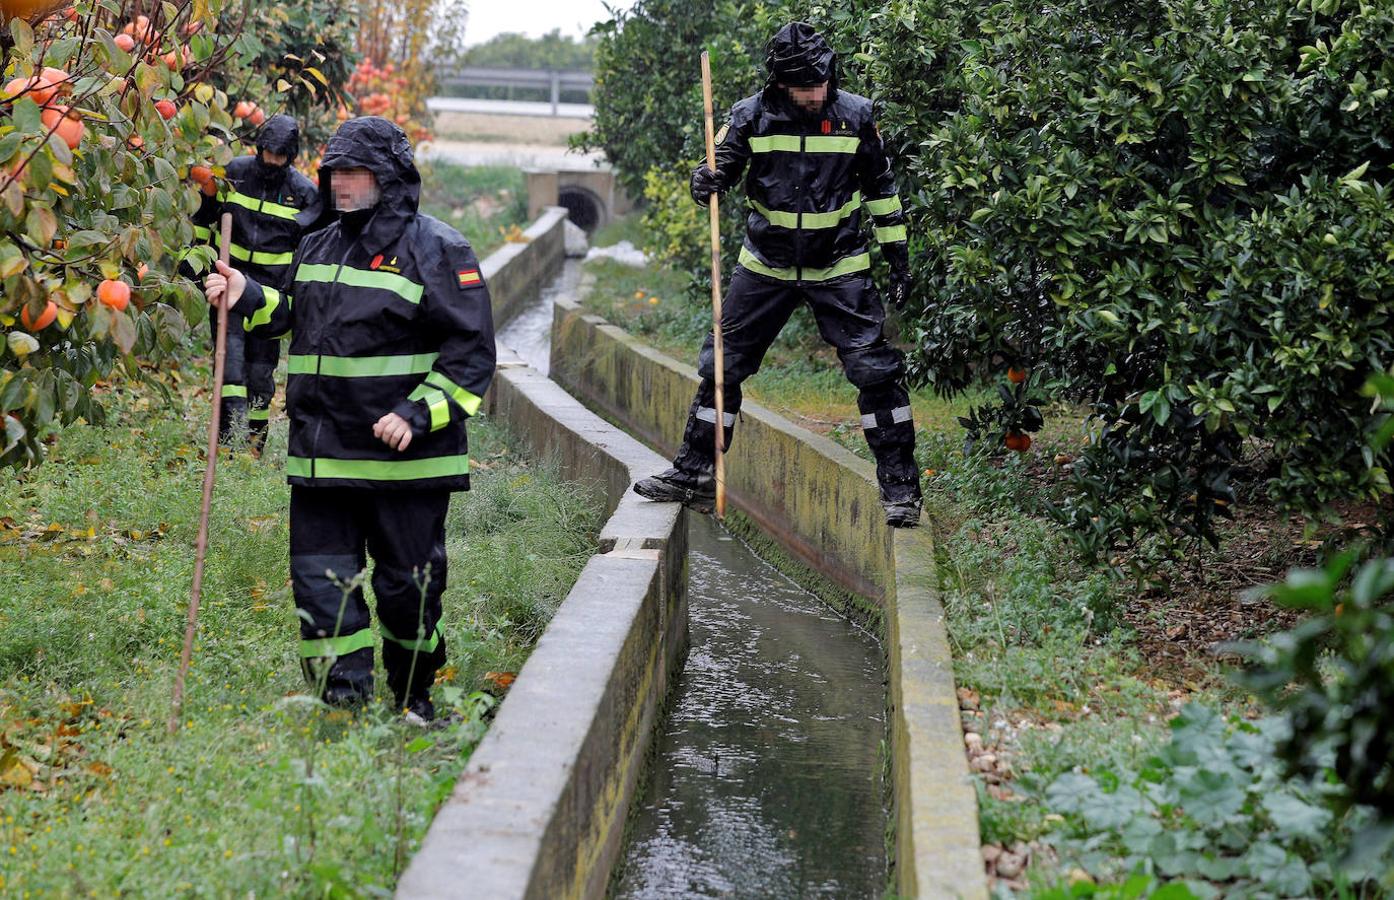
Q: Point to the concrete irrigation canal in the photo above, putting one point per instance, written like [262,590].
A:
[765,779]
[695,722]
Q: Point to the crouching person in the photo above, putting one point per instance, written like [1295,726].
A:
[392,348]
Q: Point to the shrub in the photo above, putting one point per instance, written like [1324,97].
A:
[1173,212]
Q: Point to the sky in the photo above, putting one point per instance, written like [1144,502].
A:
[488,18]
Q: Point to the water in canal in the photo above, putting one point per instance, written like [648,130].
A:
[766,775]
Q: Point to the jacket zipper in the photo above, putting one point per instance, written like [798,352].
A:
[319,359]
[798,222]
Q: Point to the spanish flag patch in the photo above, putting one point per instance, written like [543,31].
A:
[468,277]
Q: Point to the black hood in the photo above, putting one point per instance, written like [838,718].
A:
[799,56]
[375,144]
[280,134]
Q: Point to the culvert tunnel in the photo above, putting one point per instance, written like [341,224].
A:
[582,207]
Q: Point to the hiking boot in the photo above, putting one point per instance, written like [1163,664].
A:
[419,711]
[902,514]
[676,486]
[345,696]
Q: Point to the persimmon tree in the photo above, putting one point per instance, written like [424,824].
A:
[111,115]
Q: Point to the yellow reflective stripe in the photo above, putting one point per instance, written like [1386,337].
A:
[259,415]
[469,402]
[890,235]
[883,206]
[439,405]
[234,390]
[203,232]
[820,143]
[810,220]
[425,645]
[788,143]
[360,366]
[320,273]
[859,263]
[813,143]
[378,469]
[342,645]
[259,257]
[263,315]
[264,206]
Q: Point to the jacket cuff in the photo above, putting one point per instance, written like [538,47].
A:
[253,298]
[898,255]
[417,414]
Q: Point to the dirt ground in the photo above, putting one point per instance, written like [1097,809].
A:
[529,130]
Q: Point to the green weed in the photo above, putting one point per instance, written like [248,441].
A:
[264,789]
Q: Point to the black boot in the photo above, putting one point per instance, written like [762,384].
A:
[676,486]
[902,514]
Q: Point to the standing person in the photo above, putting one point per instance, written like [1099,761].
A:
[815,160]
[273,206]
[392,348]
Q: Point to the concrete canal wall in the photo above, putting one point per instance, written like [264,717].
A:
[820,503]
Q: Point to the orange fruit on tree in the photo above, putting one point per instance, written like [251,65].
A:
[43,320]
[141,271]
[1015,375]
[1017,441]
[257,116]
[70,14]
[56,77]
[125,42]
[38,88]
[166,108]
[115,294]
[65,123]
[243,109]
[201,174]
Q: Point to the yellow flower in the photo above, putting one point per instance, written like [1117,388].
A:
[638,295]
[653,301]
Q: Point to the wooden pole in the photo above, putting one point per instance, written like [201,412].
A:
[720,366]
[201,547]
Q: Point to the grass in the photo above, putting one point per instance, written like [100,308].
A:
[261,790]
[482,202]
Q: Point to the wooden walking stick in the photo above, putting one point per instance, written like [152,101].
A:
[720,368]
[201,547]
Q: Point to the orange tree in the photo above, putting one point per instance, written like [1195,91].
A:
[105,110]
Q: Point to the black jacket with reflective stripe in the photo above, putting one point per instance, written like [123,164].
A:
[271,212]
[387,315]
[809,178]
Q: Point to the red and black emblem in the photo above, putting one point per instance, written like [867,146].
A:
[827,126]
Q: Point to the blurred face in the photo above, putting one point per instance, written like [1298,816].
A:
[354,189]
[809,99]
[274,159]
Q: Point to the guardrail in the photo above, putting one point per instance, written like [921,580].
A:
[537,79]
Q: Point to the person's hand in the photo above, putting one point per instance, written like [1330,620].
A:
[705,182]
[224,280]
[394,431]
[899,291]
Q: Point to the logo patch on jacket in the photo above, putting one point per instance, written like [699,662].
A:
[377,265]
[469,278]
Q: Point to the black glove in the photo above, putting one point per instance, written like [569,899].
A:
[704,183]
[898,255]
[899,289]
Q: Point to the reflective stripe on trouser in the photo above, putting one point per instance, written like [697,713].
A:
[336,530]
[851,317]
[261,355]
[232,420]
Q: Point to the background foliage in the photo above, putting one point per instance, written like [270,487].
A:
[1175,214]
